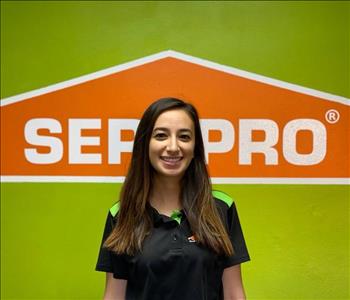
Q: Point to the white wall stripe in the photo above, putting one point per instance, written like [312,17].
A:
[84,78]
[215,180]
[261,78]
[181,56]
[280,180]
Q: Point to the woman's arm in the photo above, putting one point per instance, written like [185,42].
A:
[232,283]
[115,288]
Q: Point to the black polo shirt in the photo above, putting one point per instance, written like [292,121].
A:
[172,265]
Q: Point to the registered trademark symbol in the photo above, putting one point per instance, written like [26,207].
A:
[332,116]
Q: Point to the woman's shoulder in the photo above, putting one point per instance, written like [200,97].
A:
[114,209]
[113,214]
[223,201]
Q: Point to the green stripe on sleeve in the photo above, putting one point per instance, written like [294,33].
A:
[114,209]
[223,197]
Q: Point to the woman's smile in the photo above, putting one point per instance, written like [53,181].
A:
[171,161]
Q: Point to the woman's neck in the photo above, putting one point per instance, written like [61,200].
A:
[165,195]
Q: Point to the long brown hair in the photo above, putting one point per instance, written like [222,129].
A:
[134,222]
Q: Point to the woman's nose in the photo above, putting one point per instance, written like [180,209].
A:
[173,145]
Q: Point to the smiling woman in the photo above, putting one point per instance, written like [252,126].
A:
[170,236]
[172,144]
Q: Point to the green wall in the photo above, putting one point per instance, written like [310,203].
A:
[298,235]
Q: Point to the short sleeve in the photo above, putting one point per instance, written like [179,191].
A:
[109,261]
[236,236]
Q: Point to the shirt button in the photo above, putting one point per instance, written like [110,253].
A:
[174,237]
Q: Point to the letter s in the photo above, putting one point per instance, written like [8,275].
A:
[32,137]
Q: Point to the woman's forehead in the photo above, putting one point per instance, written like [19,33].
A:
[174,118]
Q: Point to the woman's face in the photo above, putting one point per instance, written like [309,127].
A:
[172,143]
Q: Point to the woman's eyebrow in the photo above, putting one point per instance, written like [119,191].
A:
[161,128]
[167,129]
[185,130]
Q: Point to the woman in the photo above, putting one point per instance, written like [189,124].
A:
[170,236]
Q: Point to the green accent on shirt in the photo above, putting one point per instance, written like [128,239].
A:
[114,209]
[176,215]
[223,197]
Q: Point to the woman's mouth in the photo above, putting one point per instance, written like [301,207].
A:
[171,160]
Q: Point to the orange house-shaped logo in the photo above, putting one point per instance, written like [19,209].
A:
[256,129]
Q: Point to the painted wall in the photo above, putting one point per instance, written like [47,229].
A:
[298,235]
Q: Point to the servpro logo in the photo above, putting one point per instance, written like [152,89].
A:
[247,147]
[255,129]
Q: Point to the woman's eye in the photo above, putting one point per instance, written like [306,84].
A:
[160,136]
[185,137]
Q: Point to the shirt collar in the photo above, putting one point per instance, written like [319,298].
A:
[161,219]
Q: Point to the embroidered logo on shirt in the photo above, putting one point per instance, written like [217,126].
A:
[192,239]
